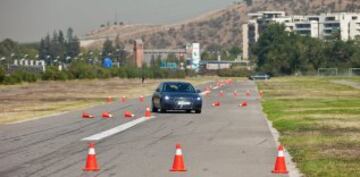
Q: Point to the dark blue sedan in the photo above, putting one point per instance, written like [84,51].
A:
[176,96]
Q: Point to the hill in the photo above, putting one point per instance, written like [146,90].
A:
[214,29]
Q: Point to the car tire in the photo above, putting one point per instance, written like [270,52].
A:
[154,109]
[198,111]
[163,110]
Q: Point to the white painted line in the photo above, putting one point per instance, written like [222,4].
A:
[116,130]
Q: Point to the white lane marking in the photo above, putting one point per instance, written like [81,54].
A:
[115,130]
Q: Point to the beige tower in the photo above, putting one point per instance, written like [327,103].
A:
[139,52]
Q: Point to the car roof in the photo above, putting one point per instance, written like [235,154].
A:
[176,82]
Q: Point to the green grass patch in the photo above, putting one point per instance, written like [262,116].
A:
[318,121]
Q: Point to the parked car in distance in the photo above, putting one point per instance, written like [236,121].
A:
[176,96]
[259,76]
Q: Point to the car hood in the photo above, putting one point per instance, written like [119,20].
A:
[177,94]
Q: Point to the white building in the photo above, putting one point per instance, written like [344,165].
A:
[322,26]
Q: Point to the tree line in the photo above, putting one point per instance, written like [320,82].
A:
[59,47]
[280,52]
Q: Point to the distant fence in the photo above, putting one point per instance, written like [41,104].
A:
[36,66]
[338,72]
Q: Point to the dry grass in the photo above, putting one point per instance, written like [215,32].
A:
[29,101]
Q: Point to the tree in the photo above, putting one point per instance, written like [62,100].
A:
[62,44]
[152,61]
[54,46]
[42,49]
[2,74]
[69,35]
[274,50]
[8,46]
[108,48]
[280,52]
[118,43]
[76,46]
[205,55]
[72,44]
[234,51]
[248,2]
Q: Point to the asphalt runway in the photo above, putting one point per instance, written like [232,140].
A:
[225,141]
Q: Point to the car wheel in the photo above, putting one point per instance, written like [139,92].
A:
[198,111]
[188,111]
[154,109]
[163,110]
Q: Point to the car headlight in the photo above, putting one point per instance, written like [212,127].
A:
[198,98]
[167,98]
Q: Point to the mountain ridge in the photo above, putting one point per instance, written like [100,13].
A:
[218,28]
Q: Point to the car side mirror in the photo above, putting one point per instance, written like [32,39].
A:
[198,91]
[157,90]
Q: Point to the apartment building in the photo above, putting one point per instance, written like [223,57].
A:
[323,26]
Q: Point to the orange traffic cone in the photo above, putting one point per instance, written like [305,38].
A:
[147,112]
[261,93]
[91,163]
[123,99]
[235,93]
[109,99]
[178,164]
[106,115]
[207,93]
[280,165]
[141,98]
[243,104]
[248,93]
[221,93]
[86,115]
[216,104]
[128,114]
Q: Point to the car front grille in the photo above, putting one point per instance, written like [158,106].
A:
[177,100]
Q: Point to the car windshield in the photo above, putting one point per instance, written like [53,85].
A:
[179,87]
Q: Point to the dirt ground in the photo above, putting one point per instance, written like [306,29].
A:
[31,101]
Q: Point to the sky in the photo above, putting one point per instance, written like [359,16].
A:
[30,20]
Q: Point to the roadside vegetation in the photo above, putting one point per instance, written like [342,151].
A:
[87,64]
[318,121]
[280,52]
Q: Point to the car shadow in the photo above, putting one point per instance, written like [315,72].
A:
[176,112]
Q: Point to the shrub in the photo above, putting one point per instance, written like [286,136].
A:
[2,75]
[10,80]
[52,73]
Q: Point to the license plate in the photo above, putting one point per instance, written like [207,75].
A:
[184,103]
